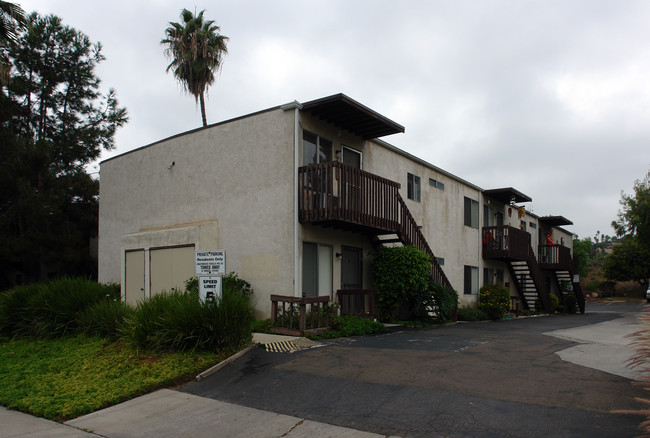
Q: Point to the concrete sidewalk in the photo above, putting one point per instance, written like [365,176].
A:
[168,413]
[14,424]
[605,346]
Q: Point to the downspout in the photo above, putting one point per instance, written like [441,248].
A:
[296,107]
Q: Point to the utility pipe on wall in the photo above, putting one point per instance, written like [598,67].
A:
[296,107]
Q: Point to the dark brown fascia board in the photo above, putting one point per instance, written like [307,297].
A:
[339,108]
[505,194]
[555,221]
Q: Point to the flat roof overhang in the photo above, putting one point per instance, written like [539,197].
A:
[352,116]
[507,195]
[555,221]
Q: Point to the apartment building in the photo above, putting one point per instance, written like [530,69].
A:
[300,197]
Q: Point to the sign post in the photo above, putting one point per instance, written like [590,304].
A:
[209,287]
[209,267]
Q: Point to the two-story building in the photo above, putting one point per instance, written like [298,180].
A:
[300,197]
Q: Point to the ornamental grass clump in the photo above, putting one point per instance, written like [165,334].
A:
[641,361]
[180,321]
[494,300]
[52,309]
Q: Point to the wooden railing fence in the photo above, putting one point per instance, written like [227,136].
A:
[298,316]
[357,302]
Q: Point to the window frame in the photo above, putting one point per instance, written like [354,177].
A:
[348,149]
[319,145]
[470,280]
[437,184]
[470,212]
[413,187]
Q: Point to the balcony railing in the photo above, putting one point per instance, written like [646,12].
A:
[505,242]
[333,191]
[554,257]
[337,194]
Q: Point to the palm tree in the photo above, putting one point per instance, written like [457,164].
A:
[196,49]
[11,17]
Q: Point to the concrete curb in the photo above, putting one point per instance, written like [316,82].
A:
[223,363]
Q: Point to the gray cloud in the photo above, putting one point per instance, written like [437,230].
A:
[550,97]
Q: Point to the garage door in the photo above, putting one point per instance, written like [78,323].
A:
[170,267]
[134,272]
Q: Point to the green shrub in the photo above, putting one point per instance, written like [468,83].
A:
[445,300]
[230,281]
[471,314]
[50,309]
[236,284]
[192,285]
[14,311]
[555,303]
[261,326]
[105,318]
[593,286]
[349,325]
[494,300]
[173,321]
[402,279]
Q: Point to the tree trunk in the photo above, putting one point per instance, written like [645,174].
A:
[202,103]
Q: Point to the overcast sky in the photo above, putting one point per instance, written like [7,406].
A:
[549,97]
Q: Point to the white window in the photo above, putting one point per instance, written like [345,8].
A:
[413,187]
[315,149]
[471,213]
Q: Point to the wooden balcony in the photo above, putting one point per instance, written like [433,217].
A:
[337,195]
[503,242]
[555,258]
[334,194]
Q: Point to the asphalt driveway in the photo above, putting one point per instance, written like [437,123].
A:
[486,379]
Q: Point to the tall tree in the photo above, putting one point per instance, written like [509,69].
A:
[634,217]
[54,120]
[196,49]
[11,18]
[628,261]
[630,257]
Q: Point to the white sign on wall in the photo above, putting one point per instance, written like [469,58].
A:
[210,262]
[209,287]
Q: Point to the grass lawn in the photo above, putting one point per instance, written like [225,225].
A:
[64,378]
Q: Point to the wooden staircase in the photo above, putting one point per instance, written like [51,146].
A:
[408,233]
[513,246]
[558,259]
[527,278]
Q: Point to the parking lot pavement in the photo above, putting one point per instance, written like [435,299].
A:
[487,379]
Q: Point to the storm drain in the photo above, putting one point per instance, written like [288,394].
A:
[281,347]
[291,345]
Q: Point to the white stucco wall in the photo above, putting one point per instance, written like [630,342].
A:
[231,188]
[439,212]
